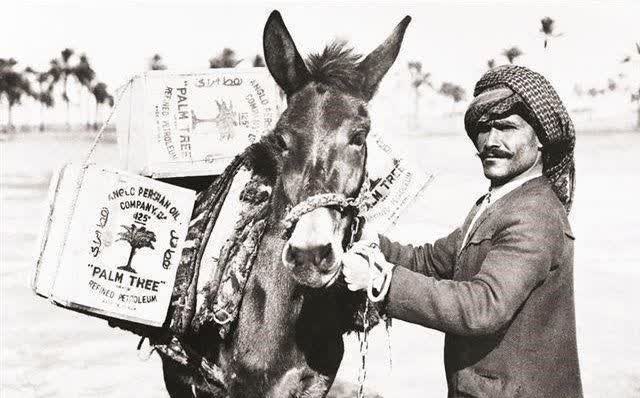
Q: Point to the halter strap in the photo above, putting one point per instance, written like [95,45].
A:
[360,203]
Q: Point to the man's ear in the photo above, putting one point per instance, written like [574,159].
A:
[282,57]
[376,64]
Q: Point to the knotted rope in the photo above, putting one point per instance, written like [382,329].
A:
[359,204]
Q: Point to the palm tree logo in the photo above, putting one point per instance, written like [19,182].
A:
[225,121]
[138,238]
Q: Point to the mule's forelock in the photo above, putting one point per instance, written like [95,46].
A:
[337,66]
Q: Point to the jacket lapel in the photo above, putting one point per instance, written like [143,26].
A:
[492,208]
[472,213]
[483,217]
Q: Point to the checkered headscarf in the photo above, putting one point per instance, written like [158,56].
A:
[526,93]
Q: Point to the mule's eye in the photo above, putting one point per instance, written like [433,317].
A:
[358,138]
[282,143]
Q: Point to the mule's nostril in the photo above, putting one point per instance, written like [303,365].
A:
[322,253]
[323,257]
[293,255]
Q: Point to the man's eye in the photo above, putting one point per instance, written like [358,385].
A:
[483,128]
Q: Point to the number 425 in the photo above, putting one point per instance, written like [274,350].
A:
[141,217]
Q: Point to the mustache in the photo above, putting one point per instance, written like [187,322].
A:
[495,153]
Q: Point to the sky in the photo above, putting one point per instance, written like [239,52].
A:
[452,39]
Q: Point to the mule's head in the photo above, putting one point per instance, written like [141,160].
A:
[322,138]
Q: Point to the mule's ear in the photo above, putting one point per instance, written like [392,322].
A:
[376,64]
[282,56]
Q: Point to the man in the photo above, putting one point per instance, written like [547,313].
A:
[500,286]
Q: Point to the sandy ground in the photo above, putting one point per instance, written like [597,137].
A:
[47,351]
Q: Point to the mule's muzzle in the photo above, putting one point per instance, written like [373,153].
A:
[312,253]
[320,256]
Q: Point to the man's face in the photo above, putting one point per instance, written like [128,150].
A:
[507,148]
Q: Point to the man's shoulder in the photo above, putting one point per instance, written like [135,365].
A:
[535,194]
[536,202]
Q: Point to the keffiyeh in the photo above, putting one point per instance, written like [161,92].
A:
[513,89]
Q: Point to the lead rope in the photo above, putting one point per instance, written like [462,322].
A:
[369,252]
[364,348]
[80,180]
[362,336]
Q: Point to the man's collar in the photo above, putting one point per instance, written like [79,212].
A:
[496,193]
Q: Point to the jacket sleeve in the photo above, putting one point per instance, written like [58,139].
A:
[523,250]
[436,260]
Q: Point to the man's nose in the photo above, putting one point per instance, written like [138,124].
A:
[493,139]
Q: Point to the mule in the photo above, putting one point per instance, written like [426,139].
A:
[287,341]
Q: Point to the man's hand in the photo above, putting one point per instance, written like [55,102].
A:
[356,271]
[364,267]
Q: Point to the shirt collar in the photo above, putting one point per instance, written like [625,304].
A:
[496,193]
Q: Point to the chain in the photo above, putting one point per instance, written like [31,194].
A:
[364,348]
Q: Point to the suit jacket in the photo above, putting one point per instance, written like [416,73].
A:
[504,300]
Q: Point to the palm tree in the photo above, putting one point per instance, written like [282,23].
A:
[547,29]
[512,53]
[137,238]
[156,63]
[44,95]
[258,61]
[101,96]
[65,72]
[13,85]
[418,78]
[85,74]
[455,92]
[226,59]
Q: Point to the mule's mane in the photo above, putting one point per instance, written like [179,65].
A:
[337,66]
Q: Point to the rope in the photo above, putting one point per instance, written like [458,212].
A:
[96,140]
[361,203]
[80,181]
[370,251]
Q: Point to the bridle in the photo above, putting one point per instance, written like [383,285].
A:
[356,206]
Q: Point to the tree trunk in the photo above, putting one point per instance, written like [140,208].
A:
[83,91]
[416,108]
[133,251]
[95,122]
[128,266]
[41,117]
[9,121]
[66,98]
[41,107]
